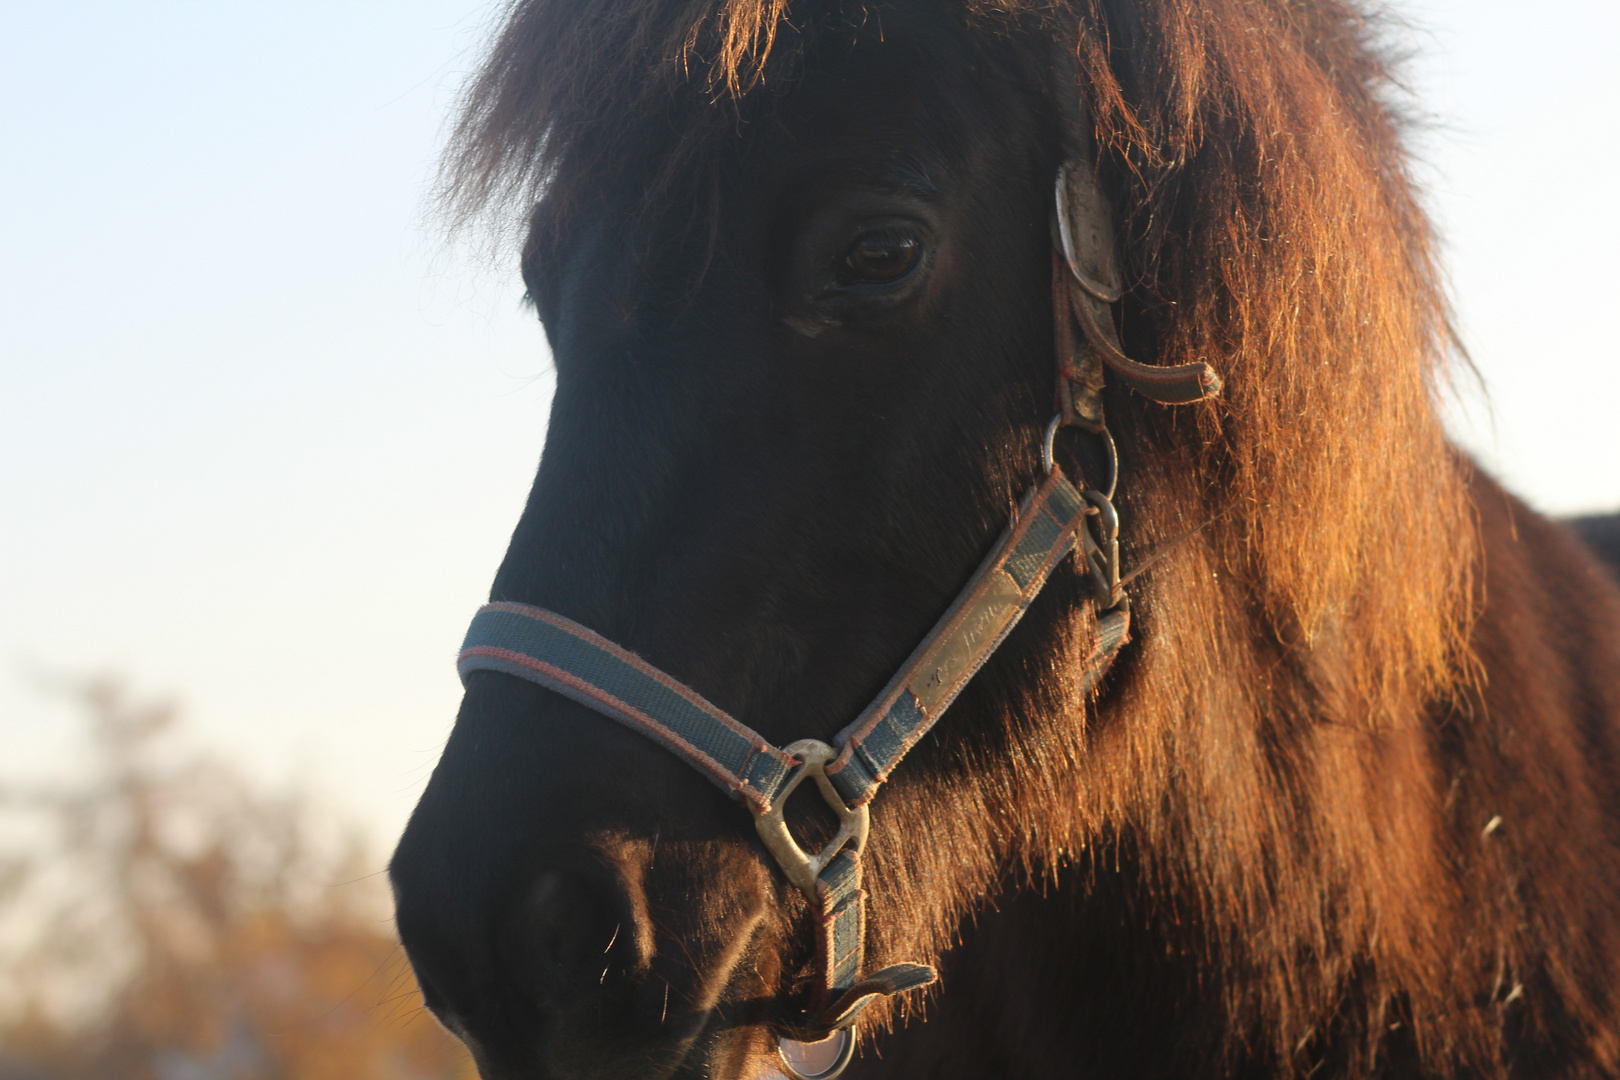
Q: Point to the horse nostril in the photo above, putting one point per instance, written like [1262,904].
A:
[567,935]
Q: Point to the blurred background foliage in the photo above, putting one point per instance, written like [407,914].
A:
[161,918]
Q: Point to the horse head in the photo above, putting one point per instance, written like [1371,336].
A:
[796,271]
[796,396]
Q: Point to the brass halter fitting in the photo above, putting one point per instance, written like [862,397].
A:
[799,866]
[827,1058]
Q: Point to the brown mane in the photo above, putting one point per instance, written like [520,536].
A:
[1282,764]
[1273,230]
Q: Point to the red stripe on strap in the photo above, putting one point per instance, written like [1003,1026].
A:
[629,712]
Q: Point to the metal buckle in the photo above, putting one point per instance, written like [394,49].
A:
[1099,540]
[1099,536]
[802,868]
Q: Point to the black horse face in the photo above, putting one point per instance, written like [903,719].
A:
[778,447]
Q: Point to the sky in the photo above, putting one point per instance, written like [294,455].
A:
[264,433]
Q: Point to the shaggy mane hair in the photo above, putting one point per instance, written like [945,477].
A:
[1279,763]
[1272,229]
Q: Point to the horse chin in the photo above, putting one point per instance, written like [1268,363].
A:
[722,1053]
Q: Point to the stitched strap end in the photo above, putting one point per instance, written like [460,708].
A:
[895,979]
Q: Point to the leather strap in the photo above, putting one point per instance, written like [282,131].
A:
[555,652]
[1045,529]
[1050,523]
[560,654]
[1085,296]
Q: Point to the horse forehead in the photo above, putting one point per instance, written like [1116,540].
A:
[896,116]
[897,108]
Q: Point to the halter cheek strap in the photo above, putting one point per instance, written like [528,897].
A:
[561,655]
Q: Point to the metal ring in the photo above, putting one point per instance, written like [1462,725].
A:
[1047,440]
[845,1052]
[1113,463]
[1048,444]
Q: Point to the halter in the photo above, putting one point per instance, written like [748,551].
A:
[1054,518]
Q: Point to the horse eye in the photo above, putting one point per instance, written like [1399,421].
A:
[879,258]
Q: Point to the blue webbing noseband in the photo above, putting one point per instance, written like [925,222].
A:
[1052,520]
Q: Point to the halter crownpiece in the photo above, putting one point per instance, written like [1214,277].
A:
[1084,246]
[1054,518]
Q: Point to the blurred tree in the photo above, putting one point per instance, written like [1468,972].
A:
[161,919]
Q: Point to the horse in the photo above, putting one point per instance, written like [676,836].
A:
[1343,801]
[1602,534]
